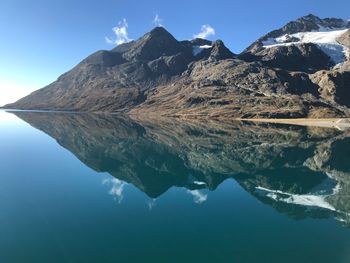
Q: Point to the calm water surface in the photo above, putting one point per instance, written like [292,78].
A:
[102,188]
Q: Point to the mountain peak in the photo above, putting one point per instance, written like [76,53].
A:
[158,75]
[154,44]
[309,17]
[159,30]
[305,24]
[200,42]
[319,23]
[220,51]
[158,34]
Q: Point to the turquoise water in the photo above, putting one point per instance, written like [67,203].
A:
[103,188]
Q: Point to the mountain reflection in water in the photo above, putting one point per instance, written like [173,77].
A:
[301,172]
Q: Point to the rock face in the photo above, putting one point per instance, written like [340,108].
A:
[159,75]
[306,57]
[344,39]
[334,86]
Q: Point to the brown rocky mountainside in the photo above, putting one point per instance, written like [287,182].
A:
[159,75]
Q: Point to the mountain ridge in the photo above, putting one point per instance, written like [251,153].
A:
[159,75]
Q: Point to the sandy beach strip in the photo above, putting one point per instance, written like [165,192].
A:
[340,123]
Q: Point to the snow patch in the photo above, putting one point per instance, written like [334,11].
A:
[199,183]
[336,52]
[325,38]
[198,49]
[305,200]
[271,42]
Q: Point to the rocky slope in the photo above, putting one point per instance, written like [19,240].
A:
[285,74]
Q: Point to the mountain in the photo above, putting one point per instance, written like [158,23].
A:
[295,32]
[300,70]
[302,172]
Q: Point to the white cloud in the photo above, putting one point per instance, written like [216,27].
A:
[157,21]
[206,31]
[117,188]
[151,203]
[198,197]
[121,33]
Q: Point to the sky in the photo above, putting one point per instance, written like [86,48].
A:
[41,39]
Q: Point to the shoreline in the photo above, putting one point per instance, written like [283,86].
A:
[339,123]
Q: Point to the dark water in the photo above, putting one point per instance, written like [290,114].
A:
[98,188]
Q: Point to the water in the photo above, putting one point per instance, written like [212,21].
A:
[102,188]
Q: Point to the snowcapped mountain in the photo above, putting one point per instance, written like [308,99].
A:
[325,38]
[325,33]
[288,73]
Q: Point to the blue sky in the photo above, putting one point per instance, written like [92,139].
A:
[42,39]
